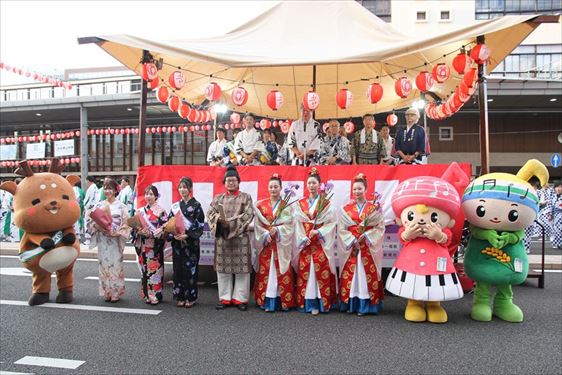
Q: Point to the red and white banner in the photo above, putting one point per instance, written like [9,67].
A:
[208,182]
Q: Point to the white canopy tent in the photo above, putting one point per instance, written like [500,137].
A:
[344,44]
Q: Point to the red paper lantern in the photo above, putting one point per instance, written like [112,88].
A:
[480,53]
[285,127]
[174,103]
[191,128]
[470,77]
[77,133]
[275,99]
[25,138]
[374,92]
[424,81]
[349,127]
[177,80]
[153,84]
[391,119]
[181,128]
[275,123]
[226,126]
[183,110]
[67,161]
[325,127]
[441,73]
[2,140]
[192,116]
[112,131]
[403,87]
[457,101]
[128,131]
[98,131]
[148,130]
[158,129]
[462,62]
[213,91]
[311,100]
[149,71]
[344,98]
[197,128]
[235,118]
[239,96]
[162,94]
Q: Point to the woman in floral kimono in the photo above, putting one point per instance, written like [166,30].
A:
[185,247]
[314,258]
[111,244]
[149,246]
[360,235]
[274,230]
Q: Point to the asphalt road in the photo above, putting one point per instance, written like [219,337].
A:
[203,340]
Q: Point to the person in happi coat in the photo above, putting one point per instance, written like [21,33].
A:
[149,245]
[544,216]
[215,155]
[335,148]
[229,218]
[410,140]
[315,234]
[305,137]
[91,199]
[126,194]
[111,244]
[556,204]
[247,142]
[367,146]
[360,236]
[185,246]
[274,231]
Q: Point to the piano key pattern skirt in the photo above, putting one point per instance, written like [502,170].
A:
[445,287]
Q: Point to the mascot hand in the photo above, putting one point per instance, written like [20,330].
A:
[68,239]
[509,238]
[493,238]
[47,244]
[433,232]
[411,231]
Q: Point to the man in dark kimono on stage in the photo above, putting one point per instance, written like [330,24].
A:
[232,242]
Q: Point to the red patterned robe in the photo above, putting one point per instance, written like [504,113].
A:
[361,288]
[280,248]
[320,252]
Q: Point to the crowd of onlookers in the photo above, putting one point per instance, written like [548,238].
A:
[307,143]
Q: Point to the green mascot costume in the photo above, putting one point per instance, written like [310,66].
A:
[499,206]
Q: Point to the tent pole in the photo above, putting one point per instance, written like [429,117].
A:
[483,108]
[142,111]
[313,85]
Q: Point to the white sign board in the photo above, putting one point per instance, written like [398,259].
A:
[35,150]
[64,148]
[8,152]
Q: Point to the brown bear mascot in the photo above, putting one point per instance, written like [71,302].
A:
[45,208]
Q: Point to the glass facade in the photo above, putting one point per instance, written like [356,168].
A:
[532,61]
[486,9]
[381,8]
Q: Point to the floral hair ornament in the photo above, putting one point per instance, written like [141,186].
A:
[313,172]
[360,177]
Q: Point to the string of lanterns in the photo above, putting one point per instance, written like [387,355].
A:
[424,81]
[40,162]
[39,77]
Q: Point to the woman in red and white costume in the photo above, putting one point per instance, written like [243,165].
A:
[360,236]
[315,235]
[274,241]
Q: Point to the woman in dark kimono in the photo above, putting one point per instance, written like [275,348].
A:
[185,246]
[149,246]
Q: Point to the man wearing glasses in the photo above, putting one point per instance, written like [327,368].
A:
[410,140]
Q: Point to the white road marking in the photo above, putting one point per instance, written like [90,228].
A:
[16,271]
[554,271]
[49,362]
[70,306]
[79,259]
[97,278]
[14,373]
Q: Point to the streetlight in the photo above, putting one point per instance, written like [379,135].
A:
[219,108]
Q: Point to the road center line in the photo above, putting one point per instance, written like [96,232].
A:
[49,362]
[70,306]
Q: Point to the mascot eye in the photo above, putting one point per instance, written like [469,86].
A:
[35,201]
[434,217]
[410,216]
[480,211]
[65,197]
[513,215]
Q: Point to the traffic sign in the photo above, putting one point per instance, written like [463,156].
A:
[555,160]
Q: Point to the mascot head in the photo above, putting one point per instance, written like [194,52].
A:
[424,200]
[503,201]
[43,202]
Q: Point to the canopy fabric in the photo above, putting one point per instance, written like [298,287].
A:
[349,46]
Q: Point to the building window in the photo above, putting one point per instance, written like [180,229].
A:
[421,16]
[487,9]
[380,8]
[445,15]
[532,61]
[446,133]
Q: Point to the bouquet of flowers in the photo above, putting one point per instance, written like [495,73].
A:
[102,218]
[137,222]
[229,153]
[288,193]
[175,225]
[325,193]
[377,206]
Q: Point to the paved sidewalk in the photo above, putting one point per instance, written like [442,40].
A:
[551,261]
